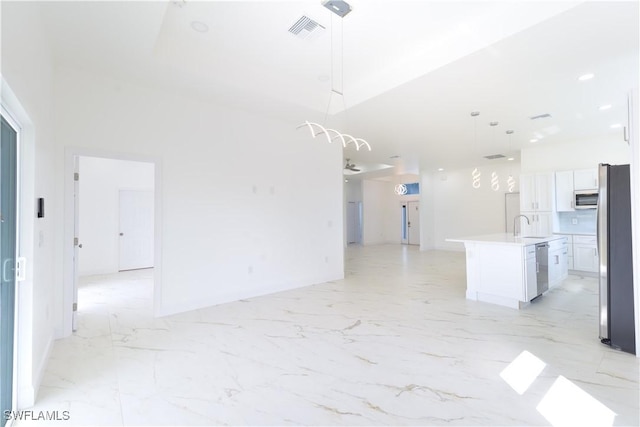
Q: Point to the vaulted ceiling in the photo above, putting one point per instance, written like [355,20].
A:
[410,71]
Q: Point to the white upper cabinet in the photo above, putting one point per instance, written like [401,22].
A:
[564,191]
[544,192]
[536,192]
[536,202]
[527,192]
[585,179]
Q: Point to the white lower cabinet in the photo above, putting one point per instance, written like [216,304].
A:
[569,258]
[585,254]
[558,268]
[582,253]
[585,258]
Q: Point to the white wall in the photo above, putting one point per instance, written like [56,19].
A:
[455,209]
[237,218]
[28,93]
[576,154]
[100,183]
[353,190]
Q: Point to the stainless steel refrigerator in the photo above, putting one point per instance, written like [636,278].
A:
[617,327]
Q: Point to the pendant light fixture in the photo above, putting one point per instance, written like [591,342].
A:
[495,180]
[475,173]
[511,182]
[339,8]
[400,189]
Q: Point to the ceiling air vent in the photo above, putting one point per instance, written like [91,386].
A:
[494,156]
[305,27]
[540,116]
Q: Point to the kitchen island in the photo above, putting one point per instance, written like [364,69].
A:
[511,270]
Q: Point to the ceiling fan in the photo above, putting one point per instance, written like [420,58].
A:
[350,166]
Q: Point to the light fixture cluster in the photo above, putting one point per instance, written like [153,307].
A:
[341,8]
[400,189]
[476,174]
[332,134]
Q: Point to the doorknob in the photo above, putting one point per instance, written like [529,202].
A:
[121,234]
[80,245]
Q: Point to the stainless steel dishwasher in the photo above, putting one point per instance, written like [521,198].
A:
[542,267]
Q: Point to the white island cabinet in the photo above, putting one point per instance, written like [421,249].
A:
[503,269]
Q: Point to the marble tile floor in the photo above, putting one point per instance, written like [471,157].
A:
[394,343]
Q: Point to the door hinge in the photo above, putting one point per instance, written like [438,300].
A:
[75,241]
[76,176]
[75,306]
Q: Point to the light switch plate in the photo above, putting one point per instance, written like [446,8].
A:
[574,221]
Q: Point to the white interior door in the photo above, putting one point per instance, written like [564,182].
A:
[136,229]
[413,222]
[76,242]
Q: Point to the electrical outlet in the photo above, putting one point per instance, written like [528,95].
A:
[574,221]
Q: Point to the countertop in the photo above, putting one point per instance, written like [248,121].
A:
[505,238]
[575,234]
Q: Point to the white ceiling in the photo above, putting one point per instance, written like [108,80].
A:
[411,71]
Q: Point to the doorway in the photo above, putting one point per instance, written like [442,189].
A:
[410,218]
[354,223]
[511,210]
[113,210]
[8,257]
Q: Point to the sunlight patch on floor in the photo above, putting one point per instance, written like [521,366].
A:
[523,371]
[567,404]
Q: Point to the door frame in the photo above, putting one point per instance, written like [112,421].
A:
[69,277]
[404,221]
[404,217]
[17,127]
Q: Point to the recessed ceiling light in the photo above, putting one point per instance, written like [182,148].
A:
[533,140]
[510,158]
[604,107]
[440,169]
[200,27]
[586,77]
[346,180]
[616,126]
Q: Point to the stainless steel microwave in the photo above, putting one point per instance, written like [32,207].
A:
[585,199]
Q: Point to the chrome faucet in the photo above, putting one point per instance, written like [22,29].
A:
[514,223]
